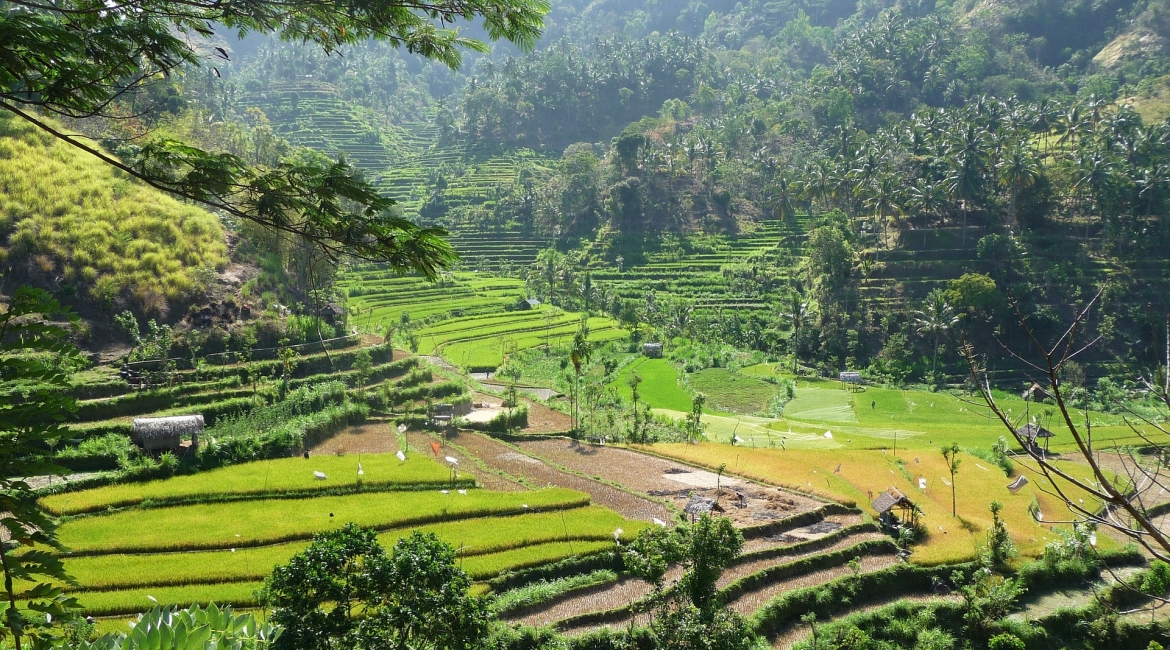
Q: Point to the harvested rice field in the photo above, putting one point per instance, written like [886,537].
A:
[536,473]
[371,437]
[745,502]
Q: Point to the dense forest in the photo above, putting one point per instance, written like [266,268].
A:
[963,155]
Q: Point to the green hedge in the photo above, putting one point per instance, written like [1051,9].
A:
[562,569]
[508,420]
[286,439]
[842,594]
[377,373]
[146,402]
[802,566]
[395,396]
[307,365]
[1045,573]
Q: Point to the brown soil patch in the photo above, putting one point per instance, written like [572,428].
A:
[744,569]
[753,600]
[623,591]
[801,533]
[373,437]
[420,443]
[537,473]
[673,481]
[541,419]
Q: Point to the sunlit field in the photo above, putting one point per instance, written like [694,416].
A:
[858,476]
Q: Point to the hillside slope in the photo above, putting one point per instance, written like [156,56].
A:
[73,224]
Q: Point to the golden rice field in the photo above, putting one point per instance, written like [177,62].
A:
[858,476]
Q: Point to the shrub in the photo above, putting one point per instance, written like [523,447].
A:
[506,421]
[102,452]
[1005,642]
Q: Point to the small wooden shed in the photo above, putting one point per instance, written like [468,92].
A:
[891,500]
[166,434]
[652,350]
[850,379]
[1032,433]
[1036,393]
[700,505]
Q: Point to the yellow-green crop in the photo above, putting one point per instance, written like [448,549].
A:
[269,521]
[269,477]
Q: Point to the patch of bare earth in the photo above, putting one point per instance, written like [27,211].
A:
[746,503]
[541,419]
[420,443]
[373,437]
[537,473]
[826,526]
[744,569]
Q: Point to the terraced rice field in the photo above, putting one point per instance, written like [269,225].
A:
[216,550]
[613,605]
[465,317]
[859,476]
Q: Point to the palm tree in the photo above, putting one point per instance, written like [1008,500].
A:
[969,160]
[935,319]
[1018,171]
[926,199]
[796,312]
[1069,125]
[883,198]
[1094,176]
[819,186]
[783,198]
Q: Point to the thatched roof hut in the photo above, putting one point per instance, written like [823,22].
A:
[1036,393]
[889,500]
[699,505]
[1031,432]
[155,434]
[850,379]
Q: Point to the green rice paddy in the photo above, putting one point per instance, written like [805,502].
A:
[659,387]
[872,418]
[271,477]
[270,521]
[465,317]
[222,550]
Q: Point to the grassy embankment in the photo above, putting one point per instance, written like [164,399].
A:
[73,217]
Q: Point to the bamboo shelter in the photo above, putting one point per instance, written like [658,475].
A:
[890,500]
[166,434]
[1031,434]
